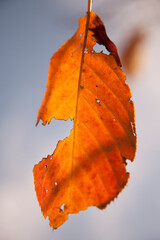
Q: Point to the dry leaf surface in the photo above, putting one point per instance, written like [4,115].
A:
[88,167]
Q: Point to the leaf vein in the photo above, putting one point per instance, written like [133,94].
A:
[118,120]
[97,173]
[109,86]
[101,148]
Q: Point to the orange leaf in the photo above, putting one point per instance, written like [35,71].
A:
[88,167]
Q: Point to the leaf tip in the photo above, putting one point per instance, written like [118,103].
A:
[37,123]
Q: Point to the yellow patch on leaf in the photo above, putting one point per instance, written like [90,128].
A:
[88,167]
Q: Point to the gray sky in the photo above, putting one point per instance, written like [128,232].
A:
[31,31]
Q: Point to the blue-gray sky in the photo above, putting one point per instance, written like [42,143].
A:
[30,32]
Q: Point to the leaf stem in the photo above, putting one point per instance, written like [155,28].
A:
[89,5]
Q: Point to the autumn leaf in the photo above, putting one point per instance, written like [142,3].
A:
[88,167]
[133,57]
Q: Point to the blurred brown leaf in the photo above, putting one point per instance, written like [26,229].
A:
[132,55]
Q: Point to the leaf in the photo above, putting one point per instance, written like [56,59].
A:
[133,56]
[88,167]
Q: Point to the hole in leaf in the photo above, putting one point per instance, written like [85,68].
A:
[73,66]
[55,183]
[98,101]
[45,166]
[62,208]
[86,50]
[46,190]
[50,158]
[99,48]
[114,119]
[81,35]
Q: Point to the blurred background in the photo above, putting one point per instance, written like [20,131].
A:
[30,32]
